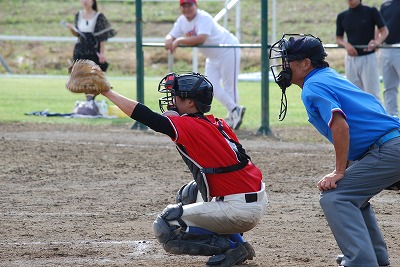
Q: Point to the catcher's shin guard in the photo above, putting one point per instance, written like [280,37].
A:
[202,245]
[163,231]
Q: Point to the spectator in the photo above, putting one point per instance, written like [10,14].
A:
[92,29]
[390,11]
[361,64]
[366,141]
[196,27]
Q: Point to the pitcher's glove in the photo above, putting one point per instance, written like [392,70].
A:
[87,77]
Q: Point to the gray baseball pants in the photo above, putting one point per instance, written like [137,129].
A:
[363,71]
[390,61]
[348,211]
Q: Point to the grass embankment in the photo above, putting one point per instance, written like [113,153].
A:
[41,18]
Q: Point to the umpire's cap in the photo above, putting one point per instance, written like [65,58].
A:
[305,47]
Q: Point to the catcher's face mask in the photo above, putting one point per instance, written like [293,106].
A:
[298,47]
[166,86]
[192,86]
[281,72]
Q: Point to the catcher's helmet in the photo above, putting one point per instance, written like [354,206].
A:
[298,47]
[188,85]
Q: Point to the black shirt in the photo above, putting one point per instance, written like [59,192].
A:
[359,25]
[390,11]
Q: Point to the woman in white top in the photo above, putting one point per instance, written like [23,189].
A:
[92,29]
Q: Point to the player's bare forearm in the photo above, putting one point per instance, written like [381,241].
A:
[351,51]
[340,41]
[193,40]
[168,42]
[341,141]
[142,114]
[188,41]
[101,55]
[381,35]
[71,29]
[125,104]
[73,32]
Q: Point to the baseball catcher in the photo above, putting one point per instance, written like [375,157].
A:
[227,195]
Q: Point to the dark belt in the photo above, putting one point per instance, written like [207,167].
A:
[387,137]
[250,197]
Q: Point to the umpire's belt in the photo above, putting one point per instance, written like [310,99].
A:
[246,197]
[387,137]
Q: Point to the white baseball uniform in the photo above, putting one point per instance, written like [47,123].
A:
[222,64]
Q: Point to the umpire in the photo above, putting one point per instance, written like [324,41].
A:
[366,142]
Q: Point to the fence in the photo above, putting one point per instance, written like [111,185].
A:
[149,42]
[157,42]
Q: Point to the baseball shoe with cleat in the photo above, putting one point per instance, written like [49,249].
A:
[339,259]
[229,121]
[251,253]
[229,258]
[237,116]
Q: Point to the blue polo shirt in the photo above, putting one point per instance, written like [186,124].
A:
[325,91]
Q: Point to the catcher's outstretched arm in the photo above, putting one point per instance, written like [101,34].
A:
[154,120]
[125,104]
[141,113]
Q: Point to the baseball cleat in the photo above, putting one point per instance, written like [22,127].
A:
[229,121]
[237,116]
[229,258]
[339,259]
[251,253]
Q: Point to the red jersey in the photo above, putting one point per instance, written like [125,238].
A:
[205,144]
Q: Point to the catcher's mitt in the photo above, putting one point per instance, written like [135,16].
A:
[87,77]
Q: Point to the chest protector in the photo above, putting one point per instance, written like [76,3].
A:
[199,172]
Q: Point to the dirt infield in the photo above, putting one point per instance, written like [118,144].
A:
[87,196]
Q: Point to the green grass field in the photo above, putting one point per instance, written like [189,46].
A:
[20,95]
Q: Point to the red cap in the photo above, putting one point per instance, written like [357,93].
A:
[187,1]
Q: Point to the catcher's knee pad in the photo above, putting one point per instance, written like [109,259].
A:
[187,194]
[163,231]
[203,245]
